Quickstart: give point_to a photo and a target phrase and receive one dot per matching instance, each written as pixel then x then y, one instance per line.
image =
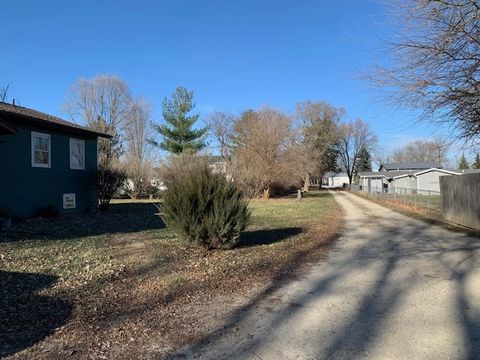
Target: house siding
pixel 337 180
pixel 405 184
pixel 25 189
pixel 430 181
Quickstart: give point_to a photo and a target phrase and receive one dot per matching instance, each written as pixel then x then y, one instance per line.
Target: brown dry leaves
pixel 162 294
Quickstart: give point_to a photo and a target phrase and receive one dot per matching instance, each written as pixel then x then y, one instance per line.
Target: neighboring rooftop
pixel 386 174
pixel 396 173
pixel 12 113
pixel 337 174
pixel 466 171
pixel 409 166
pixel 373 173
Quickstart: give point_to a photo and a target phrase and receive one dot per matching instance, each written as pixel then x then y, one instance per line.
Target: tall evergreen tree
pixel 177 130
pixel 364 162
pixel 463 163
pixel 476 164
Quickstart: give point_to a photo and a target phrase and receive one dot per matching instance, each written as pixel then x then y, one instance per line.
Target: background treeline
pixel 265 150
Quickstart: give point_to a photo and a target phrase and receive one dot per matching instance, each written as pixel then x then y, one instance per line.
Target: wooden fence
pixel 461 199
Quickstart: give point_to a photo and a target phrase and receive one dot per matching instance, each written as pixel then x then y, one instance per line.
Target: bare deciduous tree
pixel 221 125
pixel 422 151
pixel 317 135
pixel 352 138
pixel 436 61
pixel 138 162
pixel 262 140
pixel 103 103
pixel 4 93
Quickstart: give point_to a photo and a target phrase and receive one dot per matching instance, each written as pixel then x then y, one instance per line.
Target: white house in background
pixel 411 178
pixel 159 184
pixel 333 179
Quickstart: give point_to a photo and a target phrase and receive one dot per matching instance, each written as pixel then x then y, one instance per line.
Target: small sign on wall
pixel 69 201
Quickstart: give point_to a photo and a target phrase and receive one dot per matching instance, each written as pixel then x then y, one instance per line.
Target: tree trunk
pixel 306 182
pixel 266 193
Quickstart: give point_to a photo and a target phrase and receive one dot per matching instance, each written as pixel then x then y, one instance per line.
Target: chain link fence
pixel 425 199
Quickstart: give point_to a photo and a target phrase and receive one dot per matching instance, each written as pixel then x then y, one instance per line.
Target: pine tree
pixel 364 161
pixel 476 164
pixel 177 130
pixel 463 163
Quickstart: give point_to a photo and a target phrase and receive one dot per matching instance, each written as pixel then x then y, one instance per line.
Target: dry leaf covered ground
pixel 121 285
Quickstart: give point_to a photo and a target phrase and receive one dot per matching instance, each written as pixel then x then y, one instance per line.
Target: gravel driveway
pixel 394 288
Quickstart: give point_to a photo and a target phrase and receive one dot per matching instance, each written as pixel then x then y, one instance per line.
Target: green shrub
pixel 205 208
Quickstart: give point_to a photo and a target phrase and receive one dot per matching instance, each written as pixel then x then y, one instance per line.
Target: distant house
pixel 217 164
pixel 45 161
pixel 407 178
pixel 333 179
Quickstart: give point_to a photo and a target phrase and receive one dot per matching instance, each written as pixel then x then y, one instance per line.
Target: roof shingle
pixel 10 112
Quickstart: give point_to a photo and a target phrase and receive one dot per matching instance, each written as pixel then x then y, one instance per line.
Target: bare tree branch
pixel 102 103
pixel 4 93
pixel 436 62
pixel 354 137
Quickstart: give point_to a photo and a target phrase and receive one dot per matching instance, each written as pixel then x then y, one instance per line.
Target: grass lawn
pixel 121 285
pixel 429 202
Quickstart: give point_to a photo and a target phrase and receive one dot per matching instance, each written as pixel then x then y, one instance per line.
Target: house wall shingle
pixel 25 189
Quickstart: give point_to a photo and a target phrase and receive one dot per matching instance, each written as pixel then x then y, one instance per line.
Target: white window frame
pixel 73 141
pixel 49 146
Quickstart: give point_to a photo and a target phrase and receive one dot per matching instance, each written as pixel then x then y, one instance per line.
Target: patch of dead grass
pixel 152 293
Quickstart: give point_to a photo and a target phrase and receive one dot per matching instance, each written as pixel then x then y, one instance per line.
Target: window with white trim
pixel 77 154
pixel 41 150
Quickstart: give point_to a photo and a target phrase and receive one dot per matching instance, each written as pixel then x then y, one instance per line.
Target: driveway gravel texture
pixel 393 288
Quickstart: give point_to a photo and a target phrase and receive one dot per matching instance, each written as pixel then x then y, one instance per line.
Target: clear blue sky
pixel 234 54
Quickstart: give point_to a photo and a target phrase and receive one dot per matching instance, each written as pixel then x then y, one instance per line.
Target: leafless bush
pixel 108 179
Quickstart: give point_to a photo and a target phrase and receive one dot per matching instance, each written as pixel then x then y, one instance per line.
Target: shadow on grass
pixel 25 317
pixel 316 194
pixel 310 194
pixel 265 237
pixel 120 218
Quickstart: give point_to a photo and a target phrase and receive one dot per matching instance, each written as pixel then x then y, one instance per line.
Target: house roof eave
pixel 437 169
pixel 7 127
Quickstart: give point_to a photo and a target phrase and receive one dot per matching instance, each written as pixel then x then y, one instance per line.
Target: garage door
pixel 376 184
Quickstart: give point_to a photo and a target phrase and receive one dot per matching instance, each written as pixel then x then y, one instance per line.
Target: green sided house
pixel 45 161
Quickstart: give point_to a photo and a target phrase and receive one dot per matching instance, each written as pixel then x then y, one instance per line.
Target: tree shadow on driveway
pixel 396 258
pixel 25 316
